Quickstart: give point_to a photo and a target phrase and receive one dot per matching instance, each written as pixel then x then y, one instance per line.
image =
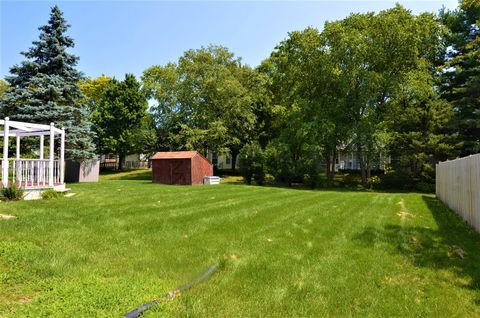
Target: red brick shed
pixel 180 167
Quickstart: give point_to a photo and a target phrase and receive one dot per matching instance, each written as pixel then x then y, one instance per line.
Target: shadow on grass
pixel 337 187
pixel 438 249
pixel 134 174
pixel 299 186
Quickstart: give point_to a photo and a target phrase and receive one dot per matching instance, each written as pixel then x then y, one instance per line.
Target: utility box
pixel 211 180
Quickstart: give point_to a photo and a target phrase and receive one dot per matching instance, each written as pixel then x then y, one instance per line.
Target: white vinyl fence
pixel 458 186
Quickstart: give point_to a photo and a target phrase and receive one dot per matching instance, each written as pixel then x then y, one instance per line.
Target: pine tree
pixel 44 88
pixel 417 120
pixel 461 79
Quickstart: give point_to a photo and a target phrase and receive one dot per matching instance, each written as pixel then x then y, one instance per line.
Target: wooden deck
pixel 39 185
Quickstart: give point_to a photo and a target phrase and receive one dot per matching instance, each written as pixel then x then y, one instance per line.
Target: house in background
pixel 346 160
pixel 132 161
pixel 349 160
pixel 221 161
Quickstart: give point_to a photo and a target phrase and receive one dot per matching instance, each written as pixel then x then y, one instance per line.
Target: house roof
pixel 175 155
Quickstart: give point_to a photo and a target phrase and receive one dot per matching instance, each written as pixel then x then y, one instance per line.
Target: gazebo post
pixel 6 131
pixel 62 156
pixel 51 154
pixel 41 146
pixel 42 163
pixel 18 148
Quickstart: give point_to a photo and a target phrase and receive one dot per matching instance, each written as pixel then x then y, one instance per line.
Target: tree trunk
pixel 370 165
pixel 334 160
pixel 121 161
pixel 329 171
pixel 327 165
pixel 234 159
pixel 362 165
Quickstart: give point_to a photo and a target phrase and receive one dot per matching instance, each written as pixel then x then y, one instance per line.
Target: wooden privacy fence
pixel 458 186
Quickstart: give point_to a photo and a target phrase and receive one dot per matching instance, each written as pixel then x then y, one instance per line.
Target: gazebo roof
pixel 28 129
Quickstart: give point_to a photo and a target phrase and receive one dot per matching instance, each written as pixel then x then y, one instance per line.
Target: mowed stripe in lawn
pixel 307 247
pixel 286 252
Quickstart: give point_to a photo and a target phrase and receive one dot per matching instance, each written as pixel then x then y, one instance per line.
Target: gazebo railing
pixel 30 173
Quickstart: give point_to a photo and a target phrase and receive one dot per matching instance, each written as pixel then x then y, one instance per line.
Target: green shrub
pixel 397 181
pixel 425 187
pixel 348 179
pixel 12 192
pixel 51 194
pixel 252 163
pixel 374 182
pixel 282 166
pixel 313 180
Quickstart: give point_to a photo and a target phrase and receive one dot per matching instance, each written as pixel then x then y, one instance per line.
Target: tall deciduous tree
pixel 93 90
pixel 374 53
pixel 333 89
pixel 311 119
pixel 160 85
pixel 44 88
pixel 207 100
pixel 122 124
pixel 3 87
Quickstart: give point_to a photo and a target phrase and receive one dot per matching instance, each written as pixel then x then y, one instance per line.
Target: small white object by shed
pixel 211 180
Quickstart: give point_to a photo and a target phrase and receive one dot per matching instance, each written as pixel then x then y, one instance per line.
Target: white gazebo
pixel 33 174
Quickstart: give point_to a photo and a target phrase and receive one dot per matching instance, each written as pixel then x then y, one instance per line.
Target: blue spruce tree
pixel 44 88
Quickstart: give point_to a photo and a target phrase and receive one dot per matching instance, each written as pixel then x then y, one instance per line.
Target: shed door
pixel 179 172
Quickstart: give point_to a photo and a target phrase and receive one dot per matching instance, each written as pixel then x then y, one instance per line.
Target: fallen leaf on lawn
pixel 269 240
pixel 7 216
pixel 459 251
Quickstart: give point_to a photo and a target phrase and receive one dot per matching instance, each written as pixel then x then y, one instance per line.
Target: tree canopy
pixel 401 91
pixel 121 121
pixel 334 89
pixel 206 101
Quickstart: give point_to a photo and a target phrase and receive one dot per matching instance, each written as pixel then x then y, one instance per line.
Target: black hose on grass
pixel 171 294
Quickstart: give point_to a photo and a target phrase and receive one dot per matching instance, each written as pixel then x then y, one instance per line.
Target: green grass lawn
pixel 286 252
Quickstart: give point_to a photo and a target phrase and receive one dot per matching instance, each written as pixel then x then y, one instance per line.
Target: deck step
pixel 62 190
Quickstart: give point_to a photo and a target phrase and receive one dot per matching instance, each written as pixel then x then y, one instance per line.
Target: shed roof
pixel 175 155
